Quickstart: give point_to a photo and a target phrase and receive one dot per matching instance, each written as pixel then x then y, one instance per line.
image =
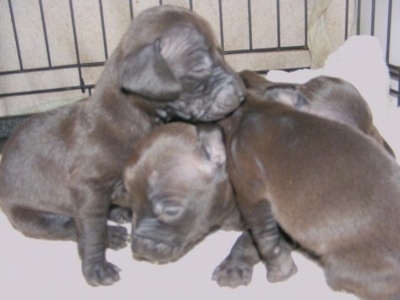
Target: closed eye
pixel 199 73
pixel 168 211
pixel 194 84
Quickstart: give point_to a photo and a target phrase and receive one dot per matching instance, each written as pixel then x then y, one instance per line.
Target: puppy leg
pixel 366 272
pixel 237 268
pixel 273 249
pixel 94 200
pixel 43 225
pixel 50 226
pixel 92 244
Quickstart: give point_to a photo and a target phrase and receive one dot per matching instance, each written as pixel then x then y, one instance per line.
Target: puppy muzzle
pixel 153 251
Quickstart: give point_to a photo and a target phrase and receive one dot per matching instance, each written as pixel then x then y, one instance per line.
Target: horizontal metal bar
pixel 52 68
pixel 394 67
pixel 63 89
pixel 101 63
pixel 265 50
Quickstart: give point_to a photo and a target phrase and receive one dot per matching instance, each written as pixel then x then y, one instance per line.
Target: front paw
pixel 120 215
pixel 101 273
pixel 233 273
pixel 117 237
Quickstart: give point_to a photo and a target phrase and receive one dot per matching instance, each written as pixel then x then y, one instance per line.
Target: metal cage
pixel 256 42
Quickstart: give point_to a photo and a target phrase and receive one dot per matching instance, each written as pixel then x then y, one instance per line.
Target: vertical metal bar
pixel 389 31
pixel 221 25
pixel 306 23
pixel 373 17
pixel 191 5
pixel 131 9
pixel 103 28
pixel 21 66
pixel 359 17
pixel 161 3
pixel 398 88
pixel 388 43
pixel 278 21
pixel 346 20
pixel 78 61
pixel 250 25
pixel 46 41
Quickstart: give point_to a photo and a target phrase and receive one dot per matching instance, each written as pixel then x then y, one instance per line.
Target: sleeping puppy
pixel 333 189
pixel 177 187
pixel 326 97
pixel 313 178
pixel 59 169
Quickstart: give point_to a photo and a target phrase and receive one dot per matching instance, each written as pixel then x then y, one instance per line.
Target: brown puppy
pixel 177 186
pixel 331 188
pixel 326 97
pixel 59 169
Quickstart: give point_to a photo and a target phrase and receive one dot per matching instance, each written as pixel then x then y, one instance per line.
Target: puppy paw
pixel 117 237
pixel 120 215
pixel 233 273
pixel 281 268
pixel 101 273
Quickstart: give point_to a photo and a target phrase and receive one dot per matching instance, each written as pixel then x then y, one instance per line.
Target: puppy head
pixel 326 97
pixel 175 62
pixel 338 100
pixel 175 182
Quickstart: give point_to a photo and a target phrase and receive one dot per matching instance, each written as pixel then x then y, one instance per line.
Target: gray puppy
pixel 330 186
pixel 59 169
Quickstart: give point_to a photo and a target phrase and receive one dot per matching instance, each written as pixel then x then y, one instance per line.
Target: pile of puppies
pixel 291 166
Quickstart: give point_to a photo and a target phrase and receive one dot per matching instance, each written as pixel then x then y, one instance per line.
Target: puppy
pixel 332 188
pixel 177 187
pixel 326 97
pixel 59 169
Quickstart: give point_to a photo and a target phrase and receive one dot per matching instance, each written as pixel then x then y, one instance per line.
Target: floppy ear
pixel 286 94
pixel 212 143
pixel 144 72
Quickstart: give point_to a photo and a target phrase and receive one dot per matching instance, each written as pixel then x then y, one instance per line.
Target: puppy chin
pixel 145 249
pixel 226 101
pixel 217 112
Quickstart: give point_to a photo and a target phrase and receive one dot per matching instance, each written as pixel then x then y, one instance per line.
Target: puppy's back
pixel 333 189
